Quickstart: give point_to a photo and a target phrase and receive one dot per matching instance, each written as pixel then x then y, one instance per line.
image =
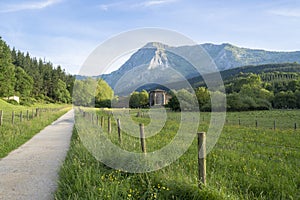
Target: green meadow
pixel 247 162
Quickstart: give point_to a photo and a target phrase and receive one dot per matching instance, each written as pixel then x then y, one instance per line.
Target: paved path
pixel 30 172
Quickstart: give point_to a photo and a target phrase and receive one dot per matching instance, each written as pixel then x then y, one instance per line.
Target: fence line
pixel 262 143
pixel 202 146
pixel 11 118
pixel 227 138
pixel 271 124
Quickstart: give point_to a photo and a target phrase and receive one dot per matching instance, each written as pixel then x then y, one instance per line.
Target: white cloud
pixel 135 4
pixel 106 7
pixel 28 6
pixel 286 12
pixel 157 2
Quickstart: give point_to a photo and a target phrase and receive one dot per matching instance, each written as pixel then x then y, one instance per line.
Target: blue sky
pixel 67 31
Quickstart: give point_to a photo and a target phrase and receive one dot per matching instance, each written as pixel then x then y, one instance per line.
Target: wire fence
pixel 287 119
pixel 282 152
pixel 21 116
pixel 266 123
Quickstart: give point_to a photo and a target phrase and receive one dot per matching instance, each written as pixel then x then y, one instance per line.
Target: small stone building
pixel 158 98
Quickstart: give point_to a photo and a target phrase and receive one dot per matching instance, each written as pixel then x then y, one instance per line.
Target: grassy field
pixel 246 163
pixel 14 134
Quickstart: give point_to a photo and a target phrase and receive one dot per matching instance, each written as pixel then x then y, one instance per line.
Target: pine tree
pixel 7 73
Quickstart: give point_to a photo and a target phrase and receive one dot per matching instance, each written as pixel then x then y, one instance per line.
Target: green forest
pixel 32 79
pixel 247 91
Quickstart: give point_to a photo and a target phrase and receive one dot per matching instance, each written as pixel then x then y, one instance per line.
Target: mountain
pixel 227 56
pixel 162 64
pixel 154 63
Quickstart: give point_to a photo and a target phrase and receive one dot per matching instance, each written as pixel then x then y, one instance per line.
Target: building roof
pixel 157 90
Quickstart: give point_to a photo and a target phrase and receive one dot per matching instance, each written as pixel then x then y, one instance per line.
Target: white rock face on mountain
pixel 159 60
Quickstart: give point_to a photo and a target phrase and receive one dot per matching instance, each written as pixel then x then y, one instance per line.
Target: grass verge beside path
pixel 14 135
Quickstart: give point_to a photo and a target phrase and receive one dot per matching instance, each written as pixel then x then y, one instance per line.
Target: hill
pixel 258 69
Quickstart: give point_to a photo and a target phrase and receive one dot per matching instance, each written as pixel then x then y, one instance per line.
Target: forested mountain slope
pixel 32 79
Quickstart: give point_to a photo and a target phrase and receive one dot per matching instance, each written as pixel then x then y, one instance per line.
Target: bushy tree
pixel 61 94
pixel 297 96
pixel 134 101
pixel 173 103
pixel 104 94
pixel 294 85
pixel 187 100
pixel 236 85
pixel 285 100
pixel 144 98
pixel 84 92
pixel 203 96
pixel 183 100
pixel 139 99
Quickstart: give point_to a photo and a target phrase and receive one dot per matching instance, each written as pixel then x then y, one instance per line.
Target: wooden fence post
pixel 109 125
pixel 256 124
pixel 274 125
pixel 1 117
pixel 13 117
pixel 201 159
pixel 97 118
pixel 119 130
pixel 142 137
pixel 239 121
pixel 21 116
pixel 36 112
pixel 27 115
pixel 102 121
pixel 295 126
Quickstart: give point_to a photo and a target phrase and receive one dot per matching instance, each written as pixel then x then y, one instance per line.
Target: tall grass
pixel 246 163
pixel 14 135
pixel 83 177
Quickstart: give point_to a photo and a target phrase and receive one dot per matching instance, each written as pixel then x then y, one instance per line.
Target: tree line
pixel 32 79
pixel 267 71
pixel 92 92
pixel 245 92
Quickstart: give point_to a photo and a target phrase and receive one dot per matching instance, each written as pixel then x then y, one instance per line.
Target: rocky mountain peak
pixel 160 58
pixel 155 45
